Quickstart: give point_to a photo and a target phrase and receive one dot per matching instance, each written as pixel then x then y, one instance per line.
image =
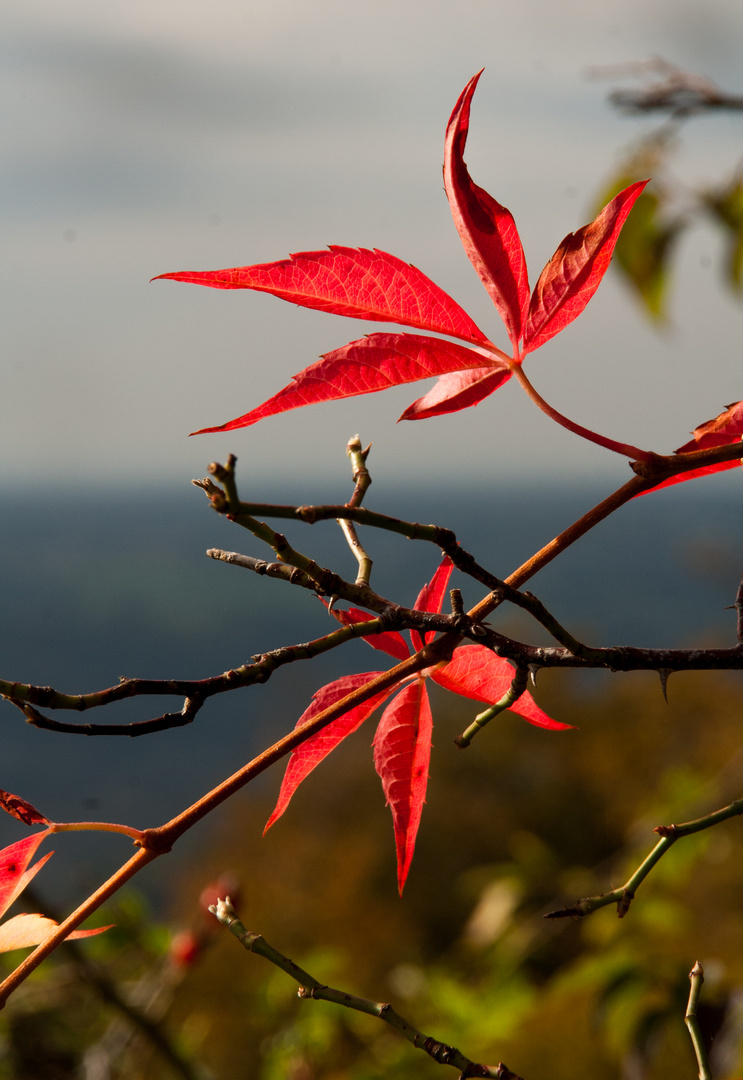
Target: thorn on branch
pixel 564 913
pixel 664 674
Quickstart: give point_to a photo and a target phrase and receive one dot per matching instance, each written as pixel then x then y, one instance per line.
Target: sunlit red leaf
pixel 24 930
pixel 402 751
pixel 487 230
pixel 310 753
pixel 476 672
pixel 457 390
pixel 389 641
pixel 21 809
pixel 574 272
pixel 373 363
pixel 354 282
pixel 431 597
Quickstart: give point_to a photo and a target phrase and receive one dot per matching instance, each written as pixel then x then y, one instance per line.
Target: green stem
pixel 669 834
pixel 696 976
pixel 514 692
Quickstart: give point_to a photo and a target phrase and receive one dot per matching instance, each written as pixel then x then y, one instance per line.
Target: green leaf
pixel 726 208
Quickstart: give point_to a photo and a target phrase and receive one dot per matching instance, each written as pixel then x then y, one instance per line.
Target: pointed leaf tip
pixel 402 752
pixel 487 230
pixel 355 282
pixel 574 272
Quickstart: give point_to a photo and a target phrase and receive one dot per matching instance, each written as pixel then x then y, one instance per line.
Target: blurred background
pixel 146 138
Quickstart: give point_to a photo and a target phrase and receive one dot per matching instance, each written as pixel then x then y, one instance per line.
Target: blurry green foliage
pixel 726 207
pixel 644 250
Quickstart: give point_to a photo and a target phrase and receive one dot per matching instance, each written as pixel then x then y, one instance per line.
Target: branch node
pixel 623 904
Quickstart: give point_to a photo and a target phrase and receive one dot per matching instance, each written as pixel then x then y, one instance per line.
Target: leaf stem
pixel 634 453
pixel 96 826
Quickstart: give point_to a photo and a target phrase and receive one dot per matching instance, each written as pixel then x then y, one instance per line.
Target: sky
pixel 142 138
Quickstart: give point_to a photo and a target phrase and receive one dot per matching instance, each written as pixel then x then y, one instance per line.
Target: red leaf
pixel 475 672
pixel 389 641
pixel 22 810
pixel 402 751
pixel 310 753
pixel 431 597
pixel 372 363
pixel 354 282
pixel 457 390
pixel 487 230
pixel 727 427
pixel 14 872
pixel 574 272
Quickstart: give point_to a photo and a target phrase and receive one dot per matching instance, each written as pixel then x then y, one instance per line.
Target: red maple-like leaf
pixel 374 285
pixel 402 744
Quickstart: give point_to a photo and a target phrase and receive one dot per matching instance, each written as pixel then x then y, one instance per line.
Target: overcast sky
pixel 146 137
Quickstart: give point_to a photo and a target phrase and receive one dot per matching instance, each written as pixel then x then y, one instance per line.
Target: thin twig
pixel 696 977
pixel 362 480
pixel 512 695
pixel 311 988
pixel 625 894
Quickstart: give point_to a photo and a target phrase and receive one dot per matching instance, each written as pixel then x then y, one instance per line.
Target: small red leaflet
pixel 402 744
pixel 377 286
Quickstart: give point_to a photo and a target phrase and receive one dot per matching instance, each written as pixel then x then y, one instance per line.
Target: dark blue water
pixel 97 585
